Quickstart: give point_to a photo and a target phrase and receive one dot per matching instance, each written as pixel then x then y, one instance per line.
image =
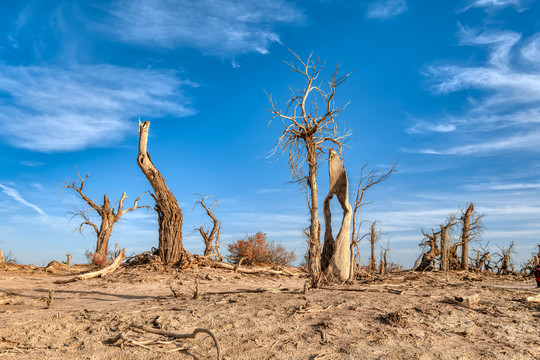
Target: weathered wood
pixel 170 217
pixel 335 259
pixel 235 268
pixel 180 336
pixel 109 269
pixel 1 258
pixel 466 219
pixel 310 131
pixel 109 217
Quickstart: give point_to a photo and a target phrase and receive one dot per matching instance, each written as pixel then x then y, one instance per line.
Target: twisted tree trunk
pixel 335 260
pixel 170 218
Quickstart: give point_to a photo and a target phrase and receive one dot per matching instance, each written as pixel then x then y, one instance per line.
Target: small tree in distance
pixel 256 249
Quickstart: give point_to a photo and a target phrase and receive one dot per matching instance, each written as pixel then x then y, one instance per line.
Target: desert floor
pixel 399 316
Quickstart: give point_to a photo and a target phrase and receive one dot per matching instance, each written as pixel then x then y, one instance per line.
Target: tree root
pixel 176 336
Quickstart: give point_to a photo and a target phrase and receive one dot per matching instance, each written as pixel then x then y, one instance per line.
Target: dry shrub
pixel 256 249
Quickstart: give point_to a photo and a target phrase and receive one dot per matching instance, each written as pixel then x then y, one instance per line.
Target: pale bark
pixel 335 260
pixel 170 217
pixel 314 245
pixel 1 258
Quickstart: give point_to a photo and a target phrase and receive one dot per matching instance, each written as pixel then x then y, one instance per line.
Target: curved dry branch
pixel 180 336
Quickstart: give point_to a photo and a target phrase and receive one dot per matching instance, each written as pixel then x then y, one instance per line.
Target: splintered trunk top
pixel 169 213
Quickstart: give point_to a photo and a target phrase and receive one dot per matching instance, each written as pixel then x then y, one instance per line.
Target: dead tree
pixel 170 217
pixel 373 239
pixel 454 260
pixel 210 236
pixel 356 258
pixel 109 216
pixel 1 258
pixel 481 261
pixel 374 177
pixel 505 263
pixel 430 255
pixel 444 232
pixel 472 228
pixel 336 257
pixel 383 263
pixel 311 129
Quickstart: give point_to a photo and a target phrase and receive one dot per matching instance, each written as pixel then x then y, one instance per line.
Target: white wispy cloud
pixel 14 194
pixel 508 97
pixel 527 142
pixel 383 9
pixel 503 186
pixel 217 27
pixel 52 109
pixel 531 51
pixel 493 4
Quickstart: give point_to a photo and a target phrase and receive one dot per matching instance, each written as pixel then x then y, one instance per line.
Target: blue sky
pixel 449 88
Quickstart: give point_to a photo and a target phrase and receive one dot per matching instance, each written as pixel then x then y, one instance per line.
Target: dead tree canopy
pixel 310 130
pixel 335 260
pixel 211 235
pixel 170 217
pixel 109 216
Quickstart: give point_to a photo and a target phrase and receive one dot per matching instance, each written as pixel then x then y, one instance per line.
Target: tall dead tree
pixel 170 217
pixel 210 235
pixel 311 129
pixel 373 239
pixel 472 227
pixel 109 216
pixel 335 258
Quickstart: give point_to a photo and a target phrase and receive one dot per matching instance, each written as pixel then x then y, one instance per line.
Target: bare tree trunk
pixel 68 261
pixel 1 258
pixel 105 232
pixel 444 248
pixel 466 218
pixel 335 260
pixel 314 261
pixel 169 214
pixel 373 239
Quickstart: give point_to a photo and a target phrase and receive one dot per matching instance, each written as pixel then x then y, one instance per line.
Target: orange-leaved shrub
pixel 256 249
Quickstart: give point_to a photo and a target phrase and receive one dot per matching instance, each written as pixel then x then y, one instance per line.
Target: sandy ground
pixel 400 316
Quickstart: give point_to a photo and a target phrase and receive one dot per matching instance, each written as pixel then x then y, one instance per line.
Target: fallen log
pixel 238 269
pixel 109 269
